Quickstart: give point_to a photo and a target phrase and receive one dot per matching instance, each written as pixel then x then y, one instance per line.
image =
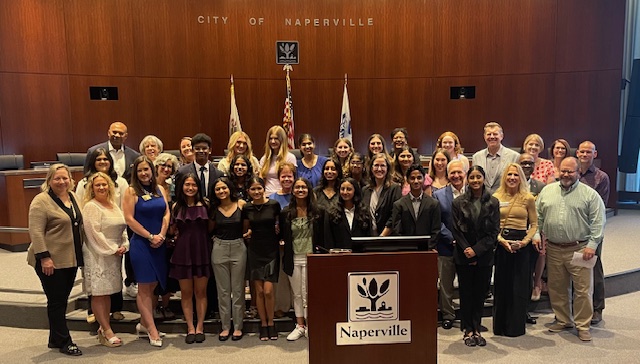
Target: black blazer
pixel 286 234
pixel 337 233
pixel 214 174
pixel 130 156
pixel 481 234
pixel 383 211
pixel 427 223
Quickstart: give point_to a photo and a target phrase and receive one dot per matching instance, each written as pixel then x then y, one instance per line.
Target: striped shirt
pixel 576 214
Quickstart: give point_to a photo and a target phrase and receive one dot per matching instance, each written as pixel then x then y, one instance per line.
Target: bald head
pixel 586 153
pixel 527 162
pixel 117 134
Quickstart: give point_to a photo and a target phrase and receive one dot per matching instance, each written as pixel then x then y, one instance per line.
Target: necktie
pixel 203 183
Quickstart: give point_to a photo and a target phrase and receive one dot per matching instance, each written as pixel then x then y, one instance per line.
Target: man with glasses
pixel 597 179
pixel 527 162
pixel 571 215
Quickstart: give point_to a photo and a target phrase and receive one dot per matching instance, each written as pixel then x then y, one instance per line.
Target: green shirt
pixel 302 232
pixel 576 214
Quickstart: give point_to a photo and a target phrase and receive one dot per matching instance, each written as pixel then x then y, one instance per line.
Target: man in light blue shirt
pixel 495 157
pixel 572 216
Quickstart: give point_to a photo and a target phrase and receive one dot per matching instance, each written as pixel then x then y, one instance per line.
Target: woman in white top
pixel 106 242
pixel 239 143
pixel 276 151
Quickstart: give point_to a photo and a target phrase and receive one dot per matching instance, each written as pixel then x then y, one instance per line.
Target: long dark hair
pixel 323 181
pixel 241 191
pixel 135 182
pixel 181 203
pixel 312 209
pixel 92 165
pixel 361 214
pixel 215 201
pixel 467 200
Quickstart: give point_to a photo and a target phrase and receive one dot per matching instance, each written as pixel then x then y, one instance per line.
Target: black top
pixel 481 233
pixel 228 228
pixel 264 243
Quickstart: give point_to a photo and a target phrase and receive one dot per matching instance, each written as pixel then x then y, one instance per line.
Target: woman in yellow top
pixel 512 277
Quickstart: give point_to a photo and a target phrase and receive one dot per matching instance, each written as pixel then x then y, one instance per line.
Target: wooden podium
pixel 331 282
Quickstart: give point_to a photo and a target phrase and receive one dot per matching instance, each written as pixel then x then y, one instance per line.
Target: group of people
pixel 186 224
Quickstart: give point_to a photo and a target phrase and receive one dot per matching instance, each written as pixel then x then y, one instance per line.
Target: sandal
pixel 71 349
pixel 470 340
pixel 273 334
pixel 480 341
pixel 113 342
pixel 264 333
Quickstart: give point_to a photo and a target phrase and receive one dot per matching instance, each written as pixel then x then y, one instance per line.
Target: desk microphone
pixel 321 249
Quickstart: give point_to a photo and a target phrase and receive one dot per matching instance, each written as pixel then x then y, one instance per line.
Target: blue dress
pixel 149 264
pixel 313 174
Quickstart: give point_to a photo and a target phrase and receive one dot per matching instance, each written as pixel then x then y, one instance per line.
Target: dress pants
pixel 229 259
pixel 560 274
pixel 598 282
pixel 57 287
pixel 474 282
pixel 447 273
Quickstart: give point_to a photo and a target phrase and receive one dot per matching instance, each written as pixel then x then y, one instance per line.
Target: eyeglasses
pixel 379 166
pixel 169 166
pixel 355 163
pixel 564 171
pixel 529 164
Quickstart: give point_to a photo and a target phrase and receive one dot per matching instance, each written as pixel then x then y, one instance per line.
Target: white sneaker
pixel 297 333
pixel 132 290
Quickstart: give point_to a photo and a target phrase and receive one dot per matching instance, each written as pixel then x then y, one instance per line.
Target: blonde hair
pixel 268 153
pixel 492 124
pixel 46 185
pixel 457 148
pixel 231 146
pixel 90 195
pixel 534 137
pixel 522 187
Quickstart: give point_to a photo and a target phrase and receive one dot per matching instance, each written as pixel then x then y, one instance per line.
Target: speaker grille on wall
pixel 628 160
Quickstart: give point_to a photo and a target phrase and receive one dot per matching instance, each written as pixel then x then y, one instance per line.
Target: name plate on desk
pixel 373 311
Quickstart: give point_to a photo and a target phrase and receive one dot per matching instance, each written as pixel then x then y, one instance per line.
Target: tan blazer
pixel 50 230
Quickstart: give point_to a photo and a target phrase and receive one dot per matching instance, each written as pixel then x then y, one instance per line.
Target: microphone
pixel 321 249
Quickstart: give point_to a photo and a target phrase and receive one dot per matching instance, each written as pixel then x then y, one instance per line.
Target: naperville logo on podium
pixel 373 311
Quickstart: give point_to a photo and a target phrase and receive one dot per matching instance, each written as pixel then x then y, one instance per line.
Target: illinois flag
pixel 234 118
pixel 287 120
pixel 345 117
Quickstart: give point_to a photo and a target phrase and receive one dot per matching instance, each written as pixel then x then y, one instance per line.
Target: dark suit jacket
pixel 214 174
pixel 130 155
pixel 338 235
pixel 444 196
pixel 427 222
pixel 383 211
pixel 286 234
pixel 535 187
pixel 481 234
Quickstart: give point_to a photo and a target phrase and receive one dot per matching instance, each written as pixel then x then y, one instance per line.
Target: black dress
pixel 263 256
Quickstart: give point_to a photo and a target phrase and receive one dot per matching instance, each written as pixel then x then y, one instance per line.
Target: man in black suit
pixel 122 155
pixel 416 213
pixel 207 174
pixel 206 171
pixel 527 163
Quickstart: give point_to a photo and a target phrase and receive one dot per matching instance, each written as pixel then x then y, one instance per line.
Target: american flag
pixel 287 120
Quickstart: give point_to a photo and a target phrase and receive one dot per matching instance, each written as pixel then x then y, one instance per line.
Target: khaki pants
pixel 561 273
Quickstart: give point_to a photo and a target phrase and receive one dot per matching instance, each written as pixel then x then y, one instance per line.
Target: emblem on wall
pixel 287 52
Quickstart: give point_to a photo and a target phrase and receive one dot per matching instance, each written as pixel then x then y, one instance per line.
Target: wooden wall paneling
pixel 590 34
pixel 91 118
pixel 524 104
pixel 525 36
pixel 35 115
pixel 463 37
pixel 100 37
pixel 32 37
pixel 404 45
pixel 588 108
pixel 466 118
pixel 166 108
pixel 214 107
pixel 162 39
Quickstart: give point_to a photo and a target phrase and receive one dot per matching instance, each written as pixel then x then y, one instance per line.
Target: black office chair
pixel 11 162
pixel 71 159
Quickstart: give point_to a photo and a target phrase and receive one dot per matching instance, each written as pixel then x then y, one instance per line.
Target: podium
pixel 373 307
